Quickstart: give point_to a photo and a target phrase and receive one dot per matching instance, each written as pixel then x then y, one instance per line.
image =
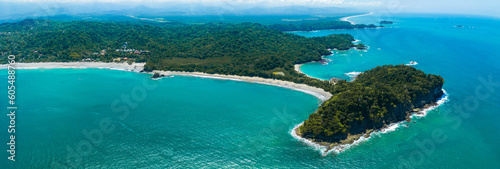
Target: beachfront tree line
pixel 248 49
pixel 311 26
pixel 45 40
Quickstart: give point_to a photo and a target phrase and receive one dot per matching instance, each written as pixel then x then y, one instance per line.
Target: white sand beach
pixel 297 68
pixel 319 93
pixel 349 17
pixel 137 67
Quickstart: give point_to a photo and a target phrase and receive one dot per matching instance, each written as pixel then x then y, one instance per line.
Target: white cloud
pixel 279 2
pixel 375 3
pixel 312 3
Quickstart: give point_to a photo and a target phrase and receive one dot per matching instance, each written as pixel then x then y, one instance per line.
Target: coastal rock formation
pixel 386 22
pixel 378 97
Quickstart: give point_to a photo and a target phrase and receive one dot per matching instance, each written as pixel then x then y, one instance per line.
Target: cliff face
pixel 378 97
pixel 402 111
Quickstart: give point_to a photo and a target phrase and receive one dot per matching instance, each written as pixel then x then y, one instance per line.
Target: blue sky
pixel 476 7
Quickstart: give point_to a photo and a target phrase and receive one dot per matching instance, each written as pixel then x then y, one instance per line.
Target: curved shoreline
pixel 138 67
pixel 349 17
pixel 317 92
pixel 297 69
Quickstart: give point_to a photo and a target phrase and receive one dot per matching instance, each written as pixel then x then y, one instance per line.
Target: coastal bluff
pixel 377 98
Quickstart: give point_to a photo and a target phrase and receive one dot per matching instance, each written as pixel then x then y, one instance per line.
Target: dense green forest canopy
pixel 248 49
pixel 377 97
pixel 319 26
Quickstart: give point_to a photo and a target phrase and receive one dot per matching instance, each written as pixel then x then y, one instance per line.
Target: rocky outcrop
pixel 377 98
pixel 403 112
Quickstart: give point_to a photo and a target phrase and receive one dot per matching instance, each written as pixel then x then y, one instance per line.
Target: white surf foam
pixel 352 74
pixel 412 63
pixel 391 127
pixel 306 141
pixel 425 111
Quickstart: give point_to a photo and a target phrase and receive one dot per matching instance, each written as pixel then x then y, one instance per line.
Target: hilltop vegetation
pixel 377 97
pixel 247 49
pixel 319 26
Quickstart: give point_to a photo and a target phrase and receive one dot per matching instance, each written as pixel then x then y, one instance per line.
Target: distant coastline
pixel 349 17
pixel 138 67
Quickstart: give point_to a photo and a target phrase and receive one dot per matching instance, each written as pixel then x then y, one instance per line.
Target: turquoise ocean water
pixel 93 118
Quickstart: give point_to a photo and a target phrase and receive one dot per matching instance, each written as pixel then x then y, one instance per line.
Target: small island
pixel 377 98
pixel 386 22
pixel 360 46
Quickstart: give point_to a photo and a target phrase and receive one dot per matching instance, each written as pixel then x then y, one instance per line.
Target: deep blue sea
pixel 94 118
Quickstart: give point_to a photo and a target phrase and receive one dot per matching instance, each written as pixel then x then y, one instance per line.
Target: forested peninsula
pixel 320 26
pixel 376 98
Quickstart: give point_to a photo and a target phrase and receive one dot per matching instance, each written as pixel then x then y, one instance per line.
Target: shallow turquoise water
pixel 465 57
pixel 183 121
pixel 190 122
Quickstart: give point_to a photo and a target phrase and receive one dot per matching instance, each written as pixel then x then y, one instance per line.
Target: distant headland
pixel 386 22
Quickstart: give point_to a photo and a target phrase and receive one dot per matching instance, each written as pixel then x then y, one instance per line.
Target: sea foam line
pixel 316 146
pixel 353 74
pixel 390 128
pixel 425 111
